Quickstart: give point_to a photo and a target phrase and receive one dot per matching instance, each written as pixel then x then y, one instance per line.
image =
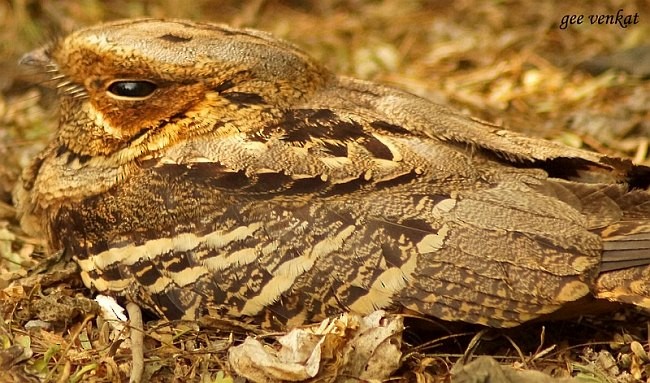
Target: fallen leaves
pixel 347 347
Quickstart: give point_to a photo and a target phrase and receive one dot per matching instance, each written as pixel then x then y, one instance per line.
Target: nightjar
pixel 203 171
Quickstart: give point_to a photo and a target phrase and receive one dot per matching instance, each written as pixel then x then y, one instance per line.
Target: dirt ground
pixel 509 62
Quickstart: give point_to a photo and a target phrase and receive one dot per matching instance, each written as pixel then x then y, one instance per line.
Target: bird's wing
pixel 396 108
pixel 353 214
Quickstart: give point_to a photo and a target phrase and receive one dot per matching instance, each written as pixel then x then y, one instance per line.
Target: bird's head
pixel 133 87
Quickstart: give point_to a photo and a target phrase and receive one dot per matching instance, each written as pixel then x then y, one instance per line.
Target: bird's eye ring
pixel 131 89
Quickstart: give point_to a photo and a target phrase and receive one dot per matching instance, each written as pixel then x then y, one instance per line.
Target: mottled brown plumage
pixel 200 170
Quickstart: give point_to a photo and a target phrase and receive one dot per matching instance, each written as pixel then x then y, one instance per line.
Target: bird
pixel 204 171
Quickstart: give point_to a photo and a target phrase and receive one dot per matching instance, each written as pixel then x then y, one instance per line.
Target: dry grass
pixel 504 61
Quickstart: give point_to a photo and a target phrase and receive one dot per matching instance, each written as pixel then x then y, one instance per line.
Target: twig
pixel 467 355
pixel 67 347
pixel 137 342
pixel 65 374
pixel 518 350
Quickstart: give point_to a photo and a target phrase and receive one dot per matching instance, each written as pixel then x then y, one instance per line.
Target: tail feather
pixel 625 268
pixel 630 285
pixel 625 264
pixel 625 251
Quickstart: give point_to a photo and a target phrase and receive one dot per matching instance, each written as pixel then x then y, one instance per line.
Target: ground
pixel 517 63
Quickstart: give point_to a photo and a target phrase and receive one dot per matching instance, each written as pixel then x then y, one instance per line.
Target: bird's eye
pixel 132 88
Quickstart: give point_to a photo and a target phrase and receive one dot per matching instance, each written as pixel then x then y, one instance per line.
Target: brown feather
pixel 253 185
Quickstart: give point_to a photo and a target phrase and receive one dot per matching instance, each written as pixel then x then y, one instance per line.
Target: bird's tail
pixel 625 269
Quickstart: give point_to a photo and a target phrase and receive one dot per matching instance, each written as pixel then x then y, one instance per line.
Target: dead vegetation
pixel 503 61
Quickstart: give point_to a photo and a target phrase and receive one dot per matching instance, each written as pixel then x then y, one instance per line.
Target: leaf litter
pixel 503 61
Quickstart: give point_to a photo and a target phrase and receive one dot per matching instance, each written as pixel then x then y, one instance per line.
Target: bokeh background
pixel 505 61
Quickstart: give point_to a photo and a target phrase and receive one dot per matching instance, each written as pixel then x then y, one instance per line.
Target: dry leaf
pixel 365 348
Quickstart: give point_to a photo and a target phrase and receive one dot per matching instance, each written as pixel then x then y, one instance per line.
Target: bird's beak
pixel 36 58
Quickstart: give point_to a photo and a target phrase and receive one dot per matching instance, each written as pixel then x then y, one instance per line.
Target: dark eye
pixel 132 88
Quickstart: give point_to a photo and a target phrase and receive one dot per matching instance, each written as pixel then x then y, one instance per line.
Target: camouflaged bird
pixel 204 171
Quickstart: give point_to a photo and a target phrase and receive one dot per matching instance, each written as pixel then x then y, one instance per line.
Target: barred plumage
pixel 215 172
